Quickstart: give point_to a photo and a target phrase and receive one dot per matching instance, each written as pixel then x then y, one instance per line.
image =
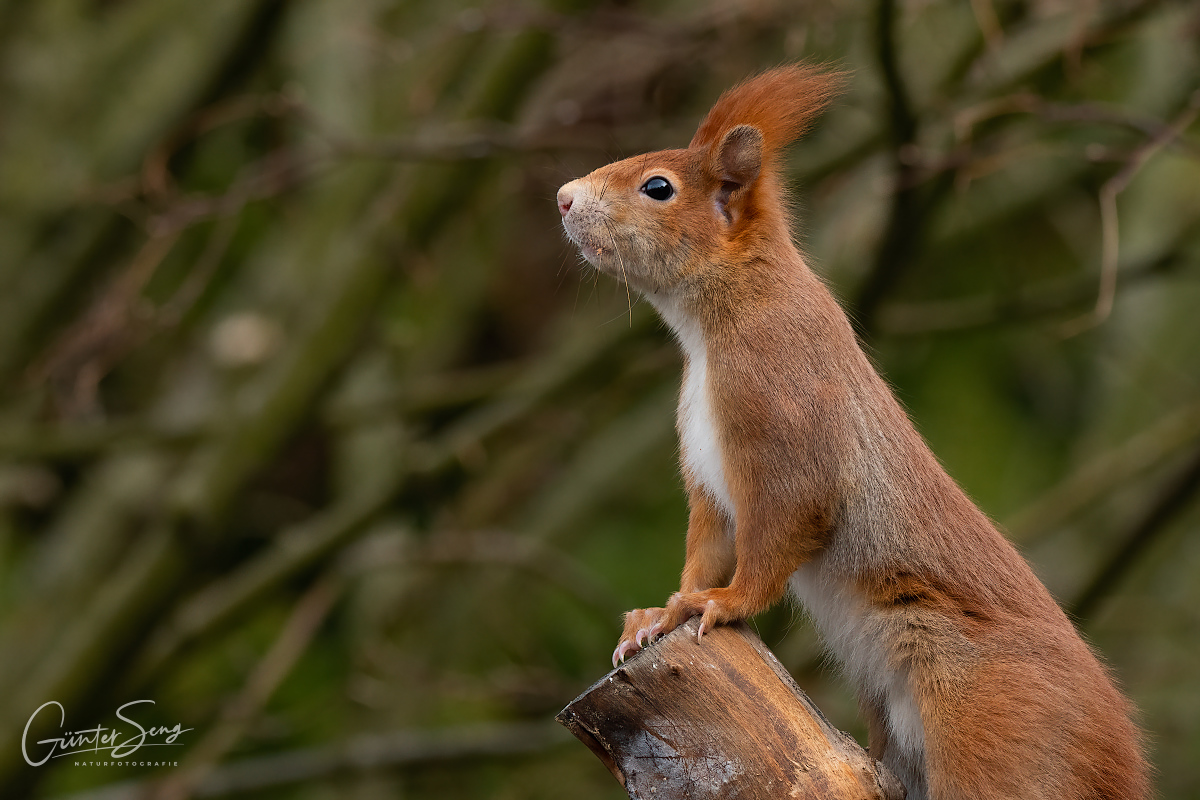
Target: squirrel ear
pixel 739 155
pixel 738 162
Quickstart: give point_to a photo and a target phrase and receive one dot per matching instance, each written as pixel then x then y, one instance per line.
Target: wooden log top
pixel 719 718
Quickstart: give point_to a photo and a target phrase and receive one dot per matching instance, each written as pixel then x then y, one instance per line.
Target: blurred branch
pixel 86 351
pixel 474 140
pixel 902 120
pixel 194 513
pixel 171 313
pixel 463 142
pixel 968 119
pixel 898 239
pixel 610 455
pixel 481 135
pixel 1043 40
pixel 299 548
pixel 910 201
pixel 63 573
pixel 277 172
pixel 121 318
pixel 606 457
pixel 503 548
pixel 989 23
pixel 72 246
pixel 1105 473
pixel 151 200
pixel 1146 530
pixel 1044 299
pixel 197 502
pixel 431 393
pixel 910 205
pixel 358 756
pixel 971 161
pixel 288 168
pixel 293 639
pixel 110 620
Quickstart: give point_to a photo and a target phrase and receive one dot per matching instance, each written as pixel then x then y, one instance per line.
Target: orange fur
pixel 803 471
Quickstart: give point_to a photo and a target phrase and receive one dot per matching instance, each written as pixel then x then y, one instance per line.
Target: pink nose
pixel 565 201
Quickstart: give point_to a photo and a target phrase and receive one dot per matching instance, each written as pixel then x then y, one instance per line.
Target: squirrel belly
pixel 844 620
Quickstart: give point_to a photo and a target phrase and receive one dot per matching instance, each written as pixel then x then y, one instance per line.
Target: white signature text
pixel 122 741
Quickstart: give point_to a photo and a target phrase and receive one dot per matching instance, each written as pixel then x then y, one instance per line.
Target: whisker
pixel 624 275
pixel 578 289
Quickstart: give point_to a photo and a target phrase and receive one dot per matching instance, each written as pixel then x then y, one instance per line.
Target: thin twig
pixel 77 361
pixel 968 119
pixel 1042 300
pixel 1109 228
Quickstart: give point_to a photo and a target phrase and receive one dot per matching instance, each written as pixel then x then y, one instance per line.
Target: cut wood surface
pixel 719 718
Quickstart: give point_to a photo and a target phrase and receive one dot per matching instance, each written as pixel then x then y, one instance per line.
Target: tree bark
pixel 721 719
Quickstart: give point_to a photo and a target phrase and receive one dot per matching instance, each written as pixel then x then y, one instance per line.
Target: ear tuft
pixel 743 136
pixel 779 104
pixel 739 155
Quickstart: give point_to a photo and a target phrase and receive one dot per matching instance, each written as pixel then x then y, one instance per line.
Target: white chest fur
pixel 698 436
pixel 699 440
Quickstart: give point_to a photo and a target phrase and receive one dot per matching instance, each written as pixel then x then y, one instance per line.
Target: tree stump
pixel 719 718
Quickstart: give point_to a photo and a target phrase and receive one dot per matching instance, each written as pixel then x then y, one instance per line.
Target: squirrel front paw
pixel 714 607
pixel 642 626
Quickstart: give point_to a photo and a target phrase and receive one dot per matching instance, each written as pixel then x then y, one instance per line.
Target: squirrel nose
pixel 566 199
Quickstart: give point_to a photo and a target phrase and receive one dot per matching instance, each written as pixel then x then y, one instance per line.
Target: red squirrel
pixel 803 472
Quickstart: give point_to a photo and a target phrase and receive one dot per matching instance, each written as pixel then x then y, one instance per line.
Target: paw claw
pixel 642 627
pixel 623 649
pixel 710 609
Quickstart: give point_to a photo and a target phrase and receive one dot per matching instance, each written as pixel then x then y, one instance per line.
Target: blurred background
pixel 316 432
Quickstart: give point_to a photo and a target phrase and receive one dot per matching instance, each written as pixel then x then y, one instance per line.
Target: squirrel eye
pixel 658 188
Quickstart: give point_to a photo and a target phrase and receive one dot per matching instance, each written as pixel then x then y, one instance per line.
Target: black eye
pixel 658 189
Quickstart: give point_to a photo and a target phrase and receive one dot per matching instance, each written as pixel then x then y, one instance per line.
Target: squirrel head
pixel 661 220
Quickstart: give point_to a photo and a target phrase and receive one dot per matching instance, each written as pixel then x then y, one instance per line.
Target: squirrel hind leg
pixel 883 746
pixel 874 715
